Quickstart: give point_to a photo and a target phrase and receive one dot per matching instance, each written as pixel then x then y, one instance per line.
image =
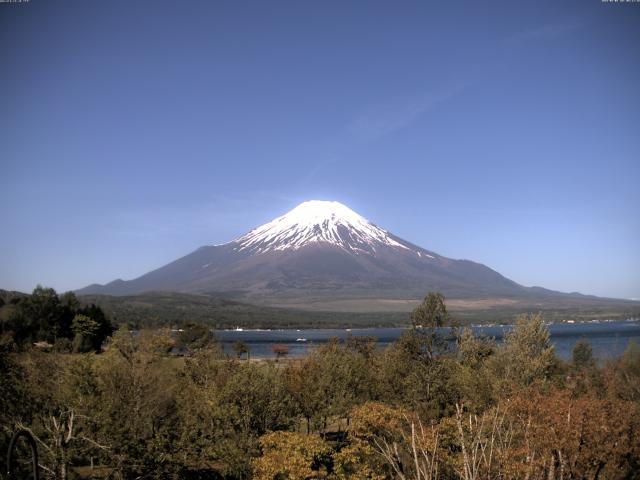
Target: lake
pixel 608 339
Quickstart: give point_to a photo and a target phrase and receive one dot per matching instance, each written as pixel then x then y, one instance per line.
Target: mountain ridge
pixel 323 251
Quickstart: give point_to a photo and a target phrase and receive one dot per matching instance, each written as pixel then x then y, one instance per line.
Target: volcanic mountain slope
pixel 322 251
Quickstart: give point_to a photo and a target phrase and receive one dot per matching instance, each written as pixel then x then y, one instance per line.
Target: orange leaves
pixel 557 435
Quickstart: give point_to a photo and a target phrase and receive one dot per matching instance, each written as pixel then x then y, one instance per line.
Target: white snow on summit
pixel 318 221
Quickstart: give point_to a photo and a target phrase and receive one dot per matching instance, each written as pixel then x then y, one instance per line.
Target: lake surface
pixel 608 339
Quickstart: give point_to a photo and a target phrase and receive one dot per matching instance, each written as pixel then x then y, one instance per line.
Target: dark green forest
pixel 58 322
pixel 422 408
pixel 157 309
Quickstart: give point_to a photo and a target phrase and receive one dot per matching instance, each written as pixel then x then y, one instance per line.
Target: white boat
pixel 301 339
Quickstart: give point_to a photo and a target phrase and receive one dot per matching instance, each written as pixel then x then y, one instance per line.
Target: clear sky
pixel 133 132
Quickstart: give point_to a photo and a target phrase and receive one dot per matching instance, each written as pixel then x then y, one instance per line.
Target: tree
pixel 472 376
pixel 207 438
pixel 291 456
pixel 60 437
pixel 364 346
pixel 70 301
pixel 388 442
pixel 86 331
pixel 555 435
pixel 527 355
pixel 624 374
pixel 105 328
pixel 12 396
pixel 69 305
pixel 43 316
pixel 255 399
pixel 328 383
pixel 194 337
pixel 472 350
pixel 431 313
pixel 136 408
pixel 43 308
pixel 39 317
pixel 582 355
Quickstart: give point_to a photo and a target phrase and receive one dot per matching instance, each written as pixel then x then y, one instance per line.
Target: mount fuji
pixel 324 254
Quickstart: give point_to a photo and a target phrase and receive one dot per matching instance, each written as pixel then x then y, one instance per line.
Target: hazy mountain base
pixel 166 309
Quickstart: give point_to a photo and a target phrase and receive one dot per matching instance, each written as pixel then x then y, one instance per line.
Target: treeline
pixel 164 309
pixel 51 321
pixel 417 409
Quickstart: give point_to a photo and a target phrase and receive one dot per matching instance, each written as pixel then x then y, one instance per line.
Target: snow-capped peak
pixel 318 221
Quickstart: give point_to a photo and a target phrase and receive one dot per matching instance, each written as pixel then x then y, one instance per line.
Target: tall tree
pixel 431 313
pixel 86 331
pixel 582 355
pixel 527 355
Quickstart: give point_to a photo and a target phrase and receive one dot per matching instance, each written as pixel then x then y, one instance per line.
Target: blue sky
pixel 508 133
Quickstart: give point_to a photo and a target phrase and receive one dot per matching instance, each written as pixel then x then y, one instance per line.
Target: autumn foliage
pixel 420 409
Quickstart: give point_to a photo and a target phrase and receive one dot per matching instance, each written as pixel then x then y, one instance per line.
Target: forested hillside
pixel 157 309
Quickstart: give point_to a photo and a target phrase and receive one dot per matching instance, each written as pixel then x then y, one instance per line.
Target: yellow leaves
pixel 357 461
pixel 291 456
pixel 393 441
pixel 288 455
pixel 374 418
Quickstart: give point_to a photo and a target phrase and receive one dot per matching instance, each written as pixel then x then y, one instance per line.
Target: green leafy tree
pixel 365 346
pixel 38 317
pixel 136 408
pixel 474 350
pixel 527 355
pixel 472 377
pixel 342 378
pixel 86 331
pixel 194 337
pixel 256 397
pixel 105 327
pixel 12 395
pixel 43 316
pixel 69 306
pixel 209 438
pixel 431 313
